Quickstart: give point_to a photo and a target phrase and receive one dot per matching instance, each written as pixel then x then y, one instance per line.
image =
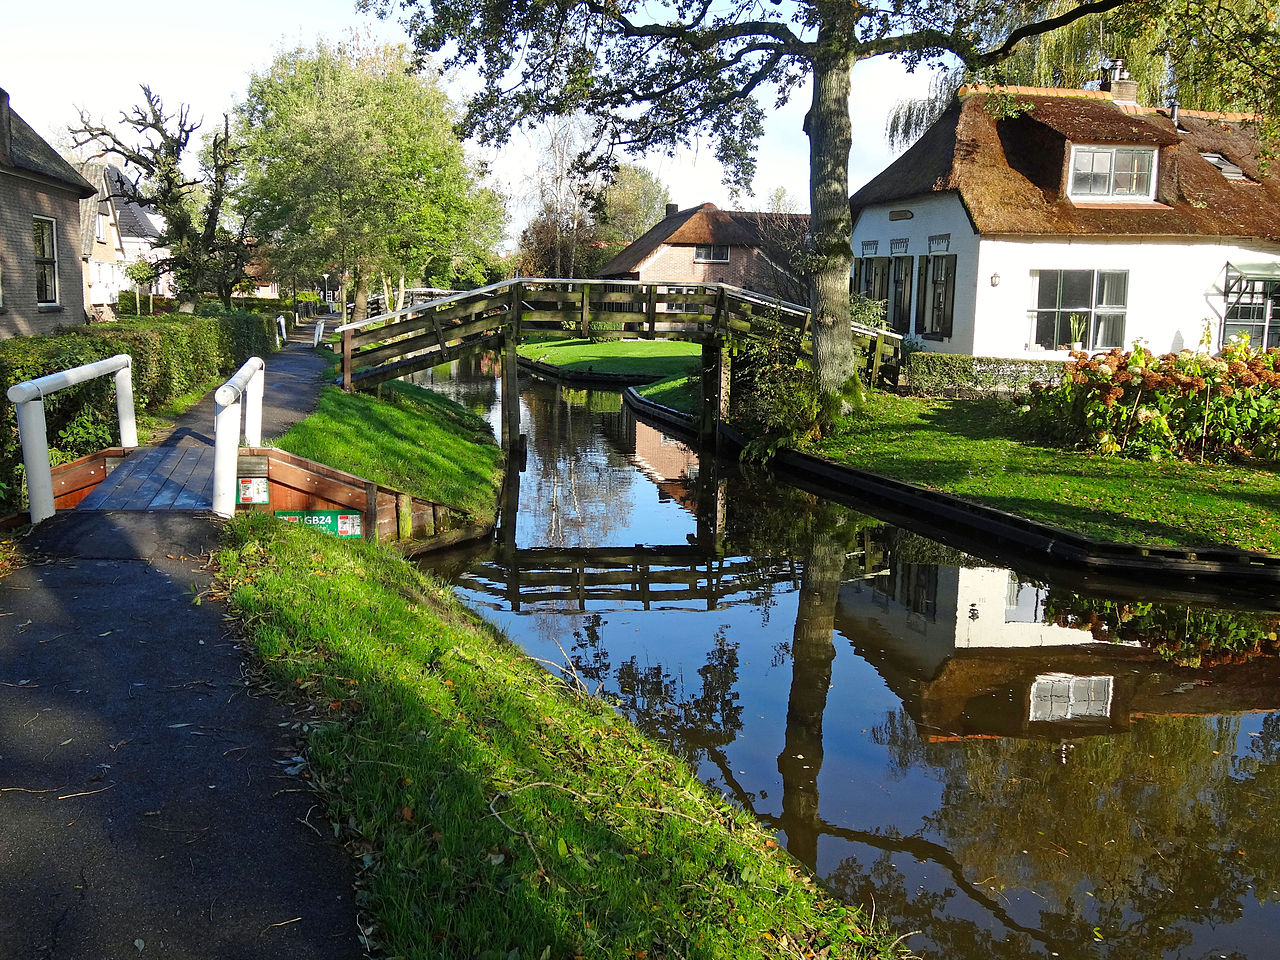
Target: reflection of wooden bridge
pixel 566 580
pixel 497 316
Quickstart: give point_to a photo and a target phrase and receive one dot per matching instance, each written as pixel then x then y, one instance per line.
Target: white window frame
pixel 710 255
pixel 1055 697
pixel 1090 313
pixel 36 261
pixel 1111 196
pixel 100 228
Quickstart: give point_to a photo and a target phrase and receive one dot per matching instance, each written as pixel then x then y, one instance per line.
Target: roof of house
pixel 134 219
pixel 31 153
pixel 1010 167
pixel 707 224
pixel 90 207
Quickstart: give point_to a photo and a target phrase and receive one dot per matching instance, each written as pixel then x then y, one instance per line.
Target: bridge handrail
pixel 28 396
pixel 243 390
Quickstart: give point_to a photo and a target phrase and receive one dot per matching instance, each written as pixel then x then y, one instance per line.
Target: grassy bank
pixel 656 358
pixel 680 393
pixel 412 439
pixel 977 449
pixel 499 810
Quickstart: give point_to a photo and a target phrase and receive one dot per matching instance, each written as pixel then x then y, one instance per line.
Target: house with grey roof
pixel 41 283
pixel 705 244
pixel 101 247
pixel 141 228
pixel 1027 220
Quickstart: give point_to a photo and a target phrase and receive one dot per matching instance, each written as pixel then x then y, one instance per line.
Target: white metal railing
pixel 282 334
pixel 317 333
pixel 244 390
pixel 29 396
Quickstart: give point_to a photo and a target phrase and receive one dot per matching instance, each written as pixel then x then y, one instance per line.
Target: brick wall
pixel 20 200
pixel 746 268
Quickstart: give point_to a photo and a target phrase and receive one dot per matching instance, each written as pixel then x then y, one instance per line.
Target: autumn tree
pixel 354 168
pixel 207 241
pixel 658 74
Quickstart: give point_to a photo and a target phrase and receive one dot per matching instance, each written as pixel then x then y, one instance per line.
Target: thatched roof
pixel 1011 170
pixel 707 224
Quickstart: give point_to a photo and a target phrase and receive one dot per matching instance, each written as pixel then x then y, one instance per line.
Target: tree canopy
pixel 354 168
pixel 208 246
pixel 658 74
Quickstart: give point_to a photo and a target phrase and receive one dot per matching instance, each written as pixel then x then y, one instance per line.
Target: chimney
pixel 672 208
pixel 1173 112
pixel 1123 90
pixel 6 132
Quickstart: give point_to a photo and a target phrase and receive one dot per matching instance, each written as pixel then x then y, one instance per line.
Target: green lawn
pixel 496 808
pixel 412 439
pixel 976 449
pixel 683 393
pixel 656 358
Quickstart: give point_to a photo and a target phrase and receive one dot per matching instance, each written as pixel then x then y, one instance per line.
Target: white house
pixel 1029 218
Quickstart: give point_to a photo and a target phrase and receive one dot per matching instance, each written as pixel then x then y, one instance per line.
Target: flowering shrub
pixel 1185 404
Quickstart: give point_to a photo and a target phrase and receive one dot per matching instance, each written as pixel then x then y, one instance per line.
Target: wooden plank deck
pixel 157 478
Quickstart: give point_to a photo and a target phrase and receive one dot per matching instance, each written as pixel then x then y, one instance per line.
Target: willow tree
pixel 658 74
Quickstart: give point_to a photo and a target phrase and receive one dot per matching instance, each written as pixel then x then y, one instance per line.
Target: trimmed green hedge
pixel 127 304
pixel 171 356
pixel 960 375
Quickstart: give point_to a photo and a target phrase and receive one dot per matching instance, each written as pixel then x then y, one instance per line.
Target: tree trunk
pixel 360 311
pixel 835 359
pixel 400 293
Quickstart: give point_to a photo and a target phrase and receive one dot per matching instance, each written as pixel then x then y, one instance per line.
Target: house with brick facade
pixel 704 244
pixel 41 284
pixel 1027 220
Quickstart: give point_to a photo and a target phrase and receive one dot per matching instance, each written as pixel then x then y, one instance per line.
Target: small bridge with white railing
pixel 498 316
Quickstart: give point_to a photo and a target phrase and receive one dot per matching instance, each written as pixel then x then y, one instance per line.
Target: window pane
pixel 1077 289
pixel 1113 288
pixel 44 239
pixel 1047 297
pixel 1108 331
pixel 1046 329
pixel 44 283
pixel 1133 172
pixel 1092 175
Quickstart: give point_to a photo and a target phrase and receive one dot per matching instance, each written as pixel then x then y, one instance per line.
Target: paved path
pixel 142 797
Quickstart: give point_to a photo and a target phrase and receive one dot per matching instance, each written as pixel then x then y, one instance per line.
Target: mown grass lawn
pixel 656 358
pixel 412 439
pixel 978 450
pixel 498 809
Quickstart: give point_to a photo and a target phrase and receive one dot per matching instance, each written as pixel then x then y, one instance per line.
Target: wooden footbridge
pixel 497 316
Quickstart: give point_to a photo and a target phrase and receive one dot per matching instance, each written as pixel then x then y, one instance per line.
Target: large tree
pixel 208 245
pixel 656 74
pixel 354 168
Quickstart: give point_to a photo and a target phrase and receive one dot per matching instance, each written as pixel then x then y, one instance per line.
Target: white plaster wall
pixel 985 590
pixel 1174 286
pixel 931 214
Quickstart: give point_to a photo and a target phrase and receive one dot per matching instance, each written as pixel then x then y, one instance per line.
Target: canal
pixel 1013 767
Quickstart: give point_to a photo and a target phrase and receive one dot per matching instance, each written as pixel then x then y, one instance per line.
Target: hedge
pixel 127 304
pixel 960 375
pixel 171 356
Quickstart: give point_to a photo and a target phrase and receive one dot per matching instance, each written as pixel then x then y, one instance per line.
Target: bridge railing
pixel 243 392
pixel 29 396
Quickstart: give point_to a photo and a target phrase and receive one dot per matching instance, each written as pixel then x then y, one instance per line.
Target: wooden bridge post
pixel 510 372
pixel 876 361
pixel 346 360
pixel 651 309
pixel 715 393
pixel 586 311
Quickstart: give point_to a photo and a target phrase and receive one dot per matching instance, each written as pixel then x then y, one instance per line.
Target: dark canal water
pixel 929 732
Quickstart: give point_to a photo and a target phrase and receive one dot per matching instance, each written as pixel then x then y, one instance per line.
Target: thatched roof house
pixel 1025 219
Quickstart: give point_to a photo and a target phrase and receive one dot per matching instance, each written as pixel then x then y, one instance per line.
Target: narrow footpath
pixel 151 799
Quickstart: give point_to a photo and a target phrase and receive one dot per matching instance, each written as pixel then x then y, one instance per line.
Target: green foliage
pixel 171 355
pixel 960 375
pixel 773 397
pixel 1186 404
pixel 127 305
pixel 1188 636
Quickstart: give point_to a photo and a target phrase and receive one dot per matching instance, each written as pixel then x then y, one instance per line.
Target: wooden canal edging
pixel 984 530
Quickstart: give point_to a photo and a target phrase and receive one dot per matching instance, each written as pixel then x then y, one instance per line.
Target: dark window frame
pixel 45 262
pixel 710 255
pixel 939 317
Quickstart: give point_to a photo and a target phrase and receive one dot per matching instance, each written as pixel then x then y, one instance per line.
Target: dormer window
pixel 1113 173
pixel 1229 170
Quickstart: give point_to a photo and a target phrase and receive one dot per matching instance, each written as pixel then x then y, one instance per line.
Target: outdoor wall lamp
pixel 995 279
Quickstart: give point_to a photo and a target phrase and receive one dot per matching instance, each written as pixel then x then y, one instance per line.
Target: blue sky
pixel 202 55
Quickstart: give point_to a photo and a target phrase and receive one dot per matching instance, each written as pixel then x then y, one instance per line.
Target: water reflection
pixel 926 730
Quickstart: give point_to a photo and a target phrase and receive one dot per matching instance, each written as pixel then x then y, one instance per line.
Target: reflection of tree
pixel 1141 838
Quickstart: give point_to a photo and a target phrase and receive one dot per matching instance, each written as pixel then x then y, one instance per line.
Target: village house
pixel 40 239
pixel 140 228
pixel 101 247
pixel 1026 220
pixel 704 244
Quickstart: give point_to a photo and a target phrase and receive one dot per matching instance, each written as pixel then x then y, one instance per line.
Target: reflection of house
pixel 966 652
pixel 669 463
pixel 101 248
pixel 40 243
pixel 1026 219
pixel 707 245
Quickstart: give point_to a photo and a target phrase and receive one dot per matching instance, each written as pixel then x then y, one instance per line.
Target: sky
pixel 202 55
